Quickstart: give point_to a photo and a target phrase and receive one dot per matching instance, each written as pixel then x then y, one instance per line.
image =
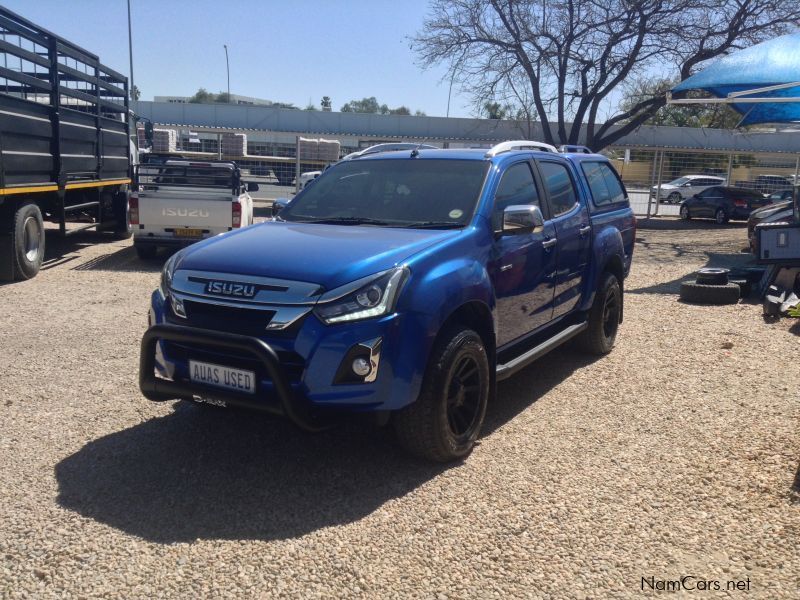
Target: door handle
pixel 547 244
pixel 585 230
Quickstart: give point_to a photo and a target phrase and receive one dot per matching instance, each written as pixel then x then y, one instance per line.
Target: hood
pixel 328 255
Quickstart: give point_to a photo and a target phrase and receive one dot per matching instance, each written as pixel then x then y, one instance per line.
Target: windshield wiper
pixel 434 225
pixel 347 221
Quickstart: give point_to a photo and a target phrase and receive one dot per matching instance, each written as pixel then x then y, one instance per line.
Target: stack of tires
pixel 713 286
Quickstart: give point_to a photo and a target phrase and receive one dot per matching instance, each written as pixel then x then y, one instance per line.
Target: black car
pixel 723 203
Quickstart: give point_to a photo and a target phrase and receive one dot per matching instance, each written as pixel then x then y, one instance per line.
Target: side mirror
pixel 687 185
pixel 523 218
pixel 278 205
pixel 252 187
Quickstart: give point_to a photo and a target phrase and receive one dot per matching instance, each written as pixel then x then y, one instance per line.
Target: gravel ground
pixel 675 455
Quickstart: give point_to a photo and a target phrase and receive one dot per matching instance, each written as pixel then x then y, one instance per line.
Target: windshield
pixel 413 192
pixel 679 181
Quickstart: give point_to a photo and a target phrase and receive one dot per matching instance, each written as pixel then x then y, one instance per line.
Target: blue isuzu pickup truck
pixel 403 284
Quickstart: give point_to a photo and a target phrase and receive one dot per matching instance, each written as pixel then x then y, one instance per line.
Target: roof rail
pixel 520 145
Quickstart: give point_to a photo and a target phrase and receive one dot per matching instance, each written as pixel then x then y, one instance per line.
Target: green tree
pixel 223 98
pixel 400 110
pixel 135 93
pixel 202 96
pixel 365 105
pixel 495 110
pixel 326 103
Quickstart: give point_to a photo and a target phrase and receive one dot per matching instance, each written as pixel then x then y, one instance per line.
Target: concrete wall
pixel 441 128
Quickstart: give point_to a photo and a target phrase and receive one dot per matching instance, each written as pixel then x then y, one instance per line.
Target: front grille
pixel 232 319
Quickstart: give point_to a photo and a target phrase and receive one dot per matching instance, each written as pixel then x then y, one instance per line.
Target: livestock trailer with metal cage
pixel 65 141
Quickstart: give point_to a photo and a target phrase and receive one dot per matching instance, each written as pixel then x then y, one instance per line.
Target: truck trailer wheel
pixel 444 422
pixel 27 240
pixel 604 317
pixel 122 227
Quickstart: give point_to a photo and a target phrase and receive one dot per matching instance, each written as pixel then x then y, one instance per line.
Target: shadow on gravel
pixel 123 260
pixel 734 261
pixel 677 224
pixel 522 390
pixel 60 250
pixel 206 473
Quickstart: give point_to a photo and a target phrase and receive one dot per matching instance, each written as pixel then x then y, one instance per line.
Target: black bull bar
pixel 160 390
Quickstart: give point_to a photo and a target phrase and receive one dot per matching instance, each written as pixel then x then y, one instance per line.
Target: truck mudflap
pixel 158 389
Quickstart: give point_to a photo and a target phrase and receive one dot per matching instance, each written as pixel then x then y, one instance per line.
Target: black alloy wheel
pixel 463 396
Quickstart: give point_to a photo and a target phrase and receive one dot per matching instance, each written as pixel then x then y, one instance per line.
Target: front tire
pixel 27 244
pixel 674 198
pixel 685 214
pixel 444 422
pixel 720 216
pixel 604 317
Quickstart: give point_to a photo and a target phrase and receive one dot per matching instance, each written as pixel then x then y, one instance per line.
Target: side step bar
pixel 523 360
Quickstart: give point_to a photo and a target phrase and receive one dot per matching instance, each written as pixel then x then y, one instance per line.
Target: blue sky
pixel 288 51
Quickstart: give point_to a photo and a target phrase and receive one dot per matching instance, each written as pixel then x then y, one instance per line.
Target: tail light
pixel 133 209
pixel 236 214
pixel 740 203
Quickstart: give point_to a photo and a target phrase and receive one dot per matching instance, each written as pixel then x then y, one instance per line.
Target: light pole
pixel 450 92
pixel 228 69
pixel 130 48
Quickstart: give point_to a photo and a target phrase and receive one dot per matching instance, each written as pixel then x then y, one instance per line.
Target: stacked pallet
pixel 318 149
pixel 234 145
pixel 165 140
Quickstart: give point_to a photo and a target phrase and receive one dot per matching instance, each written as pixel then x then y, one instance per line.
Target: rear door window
pixel 604 183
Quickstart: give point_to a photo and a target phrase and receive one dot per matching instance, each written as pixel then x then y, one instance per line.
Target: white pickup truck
pixel 178 202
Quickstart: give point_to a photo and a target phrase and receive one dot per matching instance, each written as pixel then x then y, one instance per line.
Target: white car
pixel 178 202
pixel 679 189
pixel 306 178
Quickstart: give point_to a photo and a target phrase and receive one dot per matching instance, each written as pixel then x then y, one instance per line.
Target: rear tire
pixel 604 317
pixel 443 424
pixel 25 252
pixel 146 252
pixel 122 227
pixel 674 198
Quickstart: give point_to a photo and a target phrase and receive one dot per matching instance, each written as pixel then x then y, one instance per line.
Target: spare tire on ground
pixel 745 287
pixel 700 293
pixel 712 276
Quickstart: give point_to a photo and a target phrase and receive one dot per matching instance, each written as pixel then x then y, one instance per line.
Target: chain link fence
pixel 658 180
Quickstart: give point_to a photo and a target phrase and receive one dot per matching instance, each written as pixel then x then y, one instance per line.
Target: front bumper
pixel 297 372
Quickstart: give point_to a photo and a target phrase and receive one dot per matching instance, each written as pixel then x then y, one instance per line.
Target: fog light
pixel 361 367
pixel 177 307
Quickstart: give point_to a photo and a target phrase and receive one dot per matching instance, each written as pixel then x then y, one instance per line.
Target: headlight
pixel 364 299
pixel 166 275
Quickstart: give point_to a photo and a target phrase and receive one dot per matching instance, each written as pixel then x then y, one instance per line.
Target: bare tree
pixel 563 62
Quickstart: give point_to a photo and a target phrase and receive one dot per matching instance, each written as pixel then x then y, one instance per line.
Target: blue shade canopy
pixel 771 63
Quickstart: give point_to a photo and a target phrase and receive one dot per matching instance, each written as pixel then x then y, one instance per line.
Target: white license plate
pixel 227 378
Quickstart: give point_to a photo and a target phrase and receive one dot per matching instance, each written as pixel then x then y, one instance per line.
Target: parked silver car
pixel 684 187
